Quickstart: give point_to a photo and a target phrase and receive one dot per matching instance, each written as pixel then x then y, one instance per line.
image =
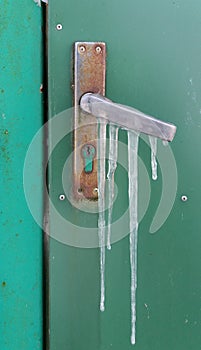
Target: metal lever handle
pixel 126 117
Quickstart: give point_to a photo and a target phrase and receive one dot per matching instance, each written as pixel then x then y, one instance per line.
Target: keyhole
pixel 88 154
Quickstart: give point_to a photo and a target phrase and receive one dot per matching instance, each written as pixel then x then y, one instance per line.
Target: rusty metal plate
pixel 88 76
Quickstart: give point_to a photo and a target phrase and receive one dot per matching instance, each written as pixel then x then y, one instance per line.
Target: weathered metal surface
pixel 89 76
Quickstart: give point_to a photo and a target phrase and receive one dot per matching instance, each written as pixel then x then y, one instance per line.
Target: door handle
pixel 126 117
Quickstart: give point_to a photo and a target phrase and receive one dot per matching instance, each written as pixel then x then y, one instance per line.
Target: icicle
pixel 113 152
pixel 101 206
pixel 165 143
pixel 133 212
pixel 153 145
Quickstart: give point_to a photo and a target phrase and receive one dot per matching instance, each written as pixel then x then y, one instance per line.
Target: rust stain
pixel 5 154
pixel 89 61
pixel 3 284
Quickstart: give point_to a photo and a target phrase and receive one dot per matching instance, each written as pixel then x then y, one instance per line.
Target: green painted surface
pixel 20 118
pixel 153 64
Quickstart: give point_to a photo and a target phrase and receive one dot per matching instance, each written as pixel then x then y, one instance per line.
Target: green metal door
pixel 153 64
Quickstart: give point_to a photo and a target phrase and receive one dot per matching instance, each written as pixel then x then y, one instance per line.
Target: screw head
pixel 98 49
pixel 59 26
pixel 95 190
pixel 184 198
pixel 62 197
pixel 82 49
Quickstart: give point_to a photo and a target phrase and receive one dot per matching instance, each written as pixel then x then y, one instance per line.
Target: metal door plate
pixel 88 76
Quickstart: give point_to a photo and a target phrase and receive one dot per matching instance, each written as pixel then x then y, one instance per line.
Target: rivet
pixel 184 198
pixel 98 49
pixel 59 26
pixel 62 197
pixel 82 49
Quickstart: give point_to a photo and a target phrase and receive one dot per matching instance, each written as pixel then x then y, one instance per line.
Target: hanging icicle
pixel 133 212
pixel 112 164
pixel 153 145
pixel 133 140
pixel 101 206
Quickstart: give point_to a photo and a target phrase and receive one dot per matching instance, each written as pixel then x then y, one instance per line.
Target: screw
pixel 95 190
pixel 82 49
pixel 98 49
pixel 59 26
pixel 62 197
pixel 184 198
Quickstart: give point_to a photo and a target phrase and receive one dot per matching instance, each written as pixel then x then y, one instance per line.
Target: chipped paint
pixel 41 88
pixel 38 2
